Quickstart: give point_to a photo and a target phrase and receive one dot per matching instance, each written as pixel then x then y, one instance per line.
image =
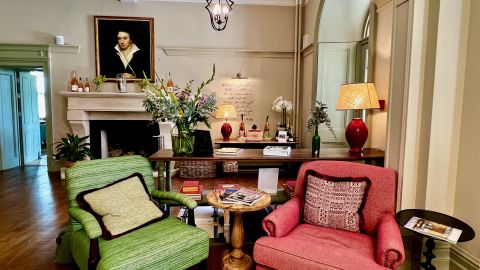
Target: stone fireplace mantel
pixel 83 107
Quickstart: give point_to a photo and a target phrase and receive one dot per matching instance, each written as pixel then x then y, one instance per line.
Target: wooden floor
pixel 33 210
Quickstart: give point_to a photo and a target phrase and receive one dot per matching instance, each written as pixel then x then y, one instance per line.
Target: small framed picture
pixel 282 136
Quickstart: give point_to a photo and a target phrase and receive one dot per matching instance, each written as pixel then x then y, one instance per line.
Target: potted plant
pixel 72 148
pixel 99 81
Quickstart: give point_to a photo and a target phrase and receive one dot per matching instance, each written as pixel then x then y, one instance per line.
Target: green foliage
pixel 318 115
pixel 99 80
pixel 73 148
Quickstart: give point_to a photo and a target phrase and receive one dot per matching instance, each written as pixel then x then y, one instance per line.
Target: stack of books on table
pixel 289 187
pixel 230 151
pixel 244 196
pixel 283 151
pixel 192 189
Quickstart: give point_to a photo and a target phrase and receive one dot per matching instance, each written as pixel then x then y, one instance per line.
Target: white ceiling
pixel 237 2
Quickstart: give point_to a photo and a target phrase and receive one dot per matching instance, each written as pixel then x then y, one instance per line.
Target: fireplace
pixel 120 117
pixel 112 138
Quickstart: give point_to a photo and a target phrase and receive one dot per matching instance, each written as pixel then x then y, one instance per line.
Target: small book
pixel 287 190
pixel 190 186
pixel 232 151
pixel 433 229
pixel 291 184
pixel 192 193
pixel 271 150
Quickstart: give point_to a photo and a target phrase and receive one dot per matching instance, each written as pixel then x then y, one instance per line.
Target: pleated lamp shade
pixel 357 96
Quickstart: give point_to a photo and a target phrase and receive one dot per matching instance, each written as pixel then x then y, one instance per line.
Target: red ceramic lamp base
pixel 226 131
pixel 356 135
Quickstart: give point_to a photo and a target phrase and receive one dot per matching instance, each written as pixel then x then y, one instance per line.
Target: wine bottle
pixel 170 84
pixel 266 129
pixel 241 131
pixel 74 82
pixel 86 87
pixel 80 85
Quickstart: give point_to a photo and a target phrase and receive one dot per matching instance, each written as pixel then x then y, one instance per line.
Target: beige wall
pixel 381 76
pixel 263 29
pixel 467 206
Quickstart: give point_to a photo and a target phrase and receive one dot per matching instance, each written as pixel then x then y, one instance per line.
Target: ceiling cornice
pixel 237 2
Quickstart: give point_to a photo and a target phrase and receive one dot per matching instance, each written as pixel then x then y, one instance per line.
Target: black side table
pixel 405 215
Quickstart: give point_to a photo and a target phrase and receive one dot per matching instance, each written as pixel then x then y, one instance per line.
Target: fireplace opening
pixel 112 138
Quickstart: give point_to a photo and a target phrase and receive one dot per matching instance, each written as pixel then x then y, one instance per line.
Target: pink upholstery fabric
pixel 314 247
pixel 292 244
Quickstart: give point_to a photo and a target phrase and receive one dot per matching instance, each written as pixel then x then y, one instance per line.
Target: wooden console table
pixel 369 156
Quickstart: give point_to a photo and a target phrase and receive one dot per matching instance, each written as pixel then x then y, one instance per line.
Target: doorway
pixel 23 115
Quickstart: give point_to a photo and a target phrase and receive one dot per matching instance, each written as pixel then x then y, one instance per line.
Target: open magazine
pixel 434 229
pixel 244 196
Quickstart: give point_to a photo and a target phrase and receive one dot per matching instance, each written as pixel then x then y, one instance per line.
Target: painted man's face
pixel 123 39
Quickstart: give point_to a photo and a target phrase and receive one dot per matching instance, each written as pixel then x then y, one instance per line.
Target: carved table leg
pixel 430 244
pixel 237 259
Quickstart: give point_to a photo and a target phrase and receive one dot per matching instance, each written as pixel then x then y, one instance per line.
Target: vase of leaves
pixel 318 115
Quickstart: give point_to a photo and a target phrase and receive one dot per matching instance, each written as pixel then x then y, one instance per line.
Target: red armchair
pixel 293 244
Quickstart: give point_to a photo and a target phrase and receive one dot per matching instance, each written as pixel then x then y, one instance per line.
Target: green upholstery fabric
pixel 87 221
pixel 167 244
pixel 175 196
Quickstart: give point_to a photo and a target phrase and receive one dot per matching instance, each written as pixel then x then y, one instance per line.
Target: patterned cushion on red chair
pixel 335 202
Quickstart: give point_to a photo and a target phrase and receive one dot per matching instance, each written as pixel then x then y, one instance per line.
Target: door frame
pixel 22 56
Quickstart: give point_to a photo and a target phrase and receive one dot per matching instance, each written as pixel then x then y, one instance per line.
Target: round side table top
pixel 467 232
pixel 262 203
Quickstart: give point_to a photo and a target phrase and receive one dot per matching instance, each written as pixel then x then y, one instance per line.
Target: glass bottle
pixel 242 131
pixel 74 82
pixel 170 84
pixel 86 87
pixel 80 85
pixel 316 144
pixel 266 129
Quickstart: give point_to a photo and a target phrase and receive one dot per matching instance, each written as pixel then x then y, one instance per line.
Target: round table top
pixel 262 203
pixel 467 232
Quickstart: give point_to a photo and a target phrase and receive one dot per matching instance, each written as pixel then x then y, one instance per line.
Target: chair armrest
pixel 390 251
pixel 281 221
pixel 175 196
pixel 87 220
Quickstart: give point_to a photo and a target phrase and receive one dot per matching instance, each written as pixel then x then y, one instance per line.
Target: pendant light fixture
pixel 219 11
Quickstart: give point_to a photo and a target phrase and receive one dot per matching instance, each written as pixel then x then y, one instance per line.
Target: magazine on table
pixel 433 229
pixel 231 151
pixel 245 196
pixel 273 150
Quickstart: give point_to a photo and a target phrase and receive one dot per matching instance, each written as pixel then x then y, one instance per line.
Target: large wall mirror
pixel 343 57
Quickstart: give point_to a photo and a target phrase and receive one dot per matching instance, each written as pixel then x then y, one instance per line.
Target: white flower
pixel 279 104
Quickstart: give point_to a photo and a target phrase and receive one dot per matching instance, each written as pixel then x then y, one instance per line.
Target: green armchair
pixel 166 244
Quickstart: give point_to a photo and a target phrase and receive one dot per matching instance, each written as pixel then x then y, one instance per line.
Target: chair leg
pixel 94 254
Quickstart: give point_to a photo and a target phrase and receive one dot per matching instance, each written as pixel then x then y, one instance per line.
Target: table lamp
pixel 226 111
pixel 357 96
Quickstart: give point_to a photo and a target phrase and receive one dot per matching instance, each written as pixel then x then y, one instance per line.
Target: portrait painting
pixel 124 47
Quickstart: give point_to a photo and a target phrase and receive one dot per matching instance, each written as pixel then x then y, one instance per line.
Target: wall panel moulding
pixel 227 52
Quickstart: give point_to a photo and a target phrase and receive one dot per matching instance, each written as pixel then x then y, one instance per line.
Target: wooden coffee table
pixel 236 259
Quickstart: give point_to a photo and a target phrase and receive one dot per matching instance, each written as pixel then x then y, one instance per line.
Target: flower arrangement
pixel 279 104
pixel 318 115
pixel 184 107
pixel 99 81
pixel 283 107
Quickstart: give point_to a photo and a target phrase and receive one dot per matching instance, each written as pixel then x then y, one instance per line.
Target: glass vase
pixel 316 144
pixel 182 141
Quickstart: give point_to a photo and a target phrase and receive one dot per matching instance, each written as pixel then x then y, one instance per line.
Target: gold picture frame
pixel 124 45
